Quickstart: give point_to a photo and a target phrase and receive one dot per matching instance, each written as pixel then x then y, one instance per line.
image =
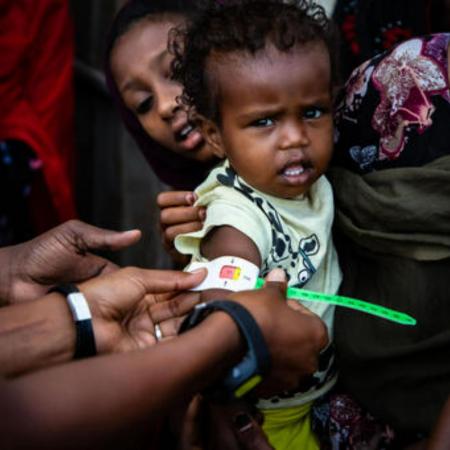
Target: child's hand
pixel 178 215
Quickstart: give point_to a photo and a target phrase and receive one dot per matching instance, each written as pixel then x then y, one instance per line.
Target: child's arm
pixel 227 241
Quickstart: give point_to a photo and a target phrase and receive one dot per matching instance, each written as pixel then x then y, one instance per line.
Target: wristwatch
pixel 249 372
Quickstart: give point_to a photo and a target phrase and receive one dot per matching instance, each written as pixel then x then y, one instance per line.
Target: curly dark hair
pixel 243 25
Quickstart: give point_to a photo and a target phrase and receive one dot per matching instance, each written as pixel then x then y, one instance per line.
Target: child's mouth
pixel 296 173
pixel 293 171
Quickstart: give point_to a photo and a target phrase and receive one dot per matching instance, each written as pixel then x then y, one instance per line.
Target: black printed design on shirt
pixel 282 252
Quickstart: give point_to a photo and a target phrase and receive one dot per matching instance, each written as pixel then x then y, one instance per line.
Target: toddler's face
pixel 276 117
pixel 140 65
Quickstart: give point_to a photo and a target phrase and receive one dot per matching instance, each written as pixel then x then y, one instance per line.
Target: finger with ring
pixel 158 332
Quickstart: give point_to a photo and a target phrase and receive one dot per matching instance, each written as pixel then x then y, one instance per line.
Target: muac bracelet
pixel 237 274
pixel 85 339
pixel 248 373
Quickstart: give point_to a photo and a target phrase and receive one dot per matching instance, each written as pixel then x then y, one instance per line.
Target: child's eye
pixel 145 106
pixel 313 113
pixel 264 122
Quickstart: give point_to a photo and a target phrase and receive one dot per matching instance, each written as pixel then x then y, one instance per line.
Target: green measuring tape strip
pixel 347 302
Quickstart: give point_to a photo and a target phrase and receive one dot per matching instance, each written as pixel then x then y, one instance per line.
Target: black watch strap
pixel 243 377
pixel 85 338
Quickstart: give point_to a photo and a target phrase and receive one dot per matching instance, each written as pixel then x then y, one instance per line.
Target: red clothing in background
pixel 36 98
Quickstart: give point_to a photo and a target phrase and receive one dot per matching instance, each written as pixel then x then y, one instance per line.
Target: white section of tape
pixel 227 272
pixel 79 307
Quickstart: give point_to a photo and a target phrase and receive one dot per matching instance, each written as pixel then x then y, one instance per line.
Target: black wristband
pixel 85 338
pixel 243 377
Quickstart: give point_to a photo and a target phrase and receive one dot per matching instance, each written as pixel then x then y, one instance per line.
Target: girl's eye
pixel 145 106
pixel 264 122
pixel 313 113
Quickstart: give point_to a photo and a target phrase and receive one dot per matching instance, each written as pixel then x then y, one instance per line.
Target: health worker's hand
pixel 121 303
pixel 62 254
pixel 294 337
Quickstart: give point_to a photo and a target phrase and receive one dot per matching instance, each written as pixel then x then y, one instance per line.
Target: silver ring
pixel 158 332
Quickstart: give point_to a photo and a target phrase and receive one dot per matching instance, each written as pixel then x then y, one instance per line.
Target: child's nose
pixel 294 135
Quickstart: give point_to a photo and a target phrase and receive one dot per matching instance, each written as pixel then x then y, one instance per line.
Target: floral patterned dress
pixel 393 113
pixel 395 109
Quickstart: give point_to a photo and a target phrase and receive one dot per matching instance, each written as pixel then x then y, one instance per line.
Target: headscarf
pixel 174 169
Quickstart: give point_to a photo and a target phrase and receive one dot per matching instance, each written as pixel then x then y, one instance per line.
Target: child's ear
pixel 213 137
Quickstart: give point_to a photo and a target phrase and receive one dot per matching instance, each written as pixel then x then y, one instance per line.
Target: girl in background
pixel 137 71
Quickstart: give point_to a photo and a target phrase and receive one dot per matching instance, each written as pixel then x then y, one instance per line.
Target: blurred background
pixel 64 152
pixel 63 149
pixel 115 187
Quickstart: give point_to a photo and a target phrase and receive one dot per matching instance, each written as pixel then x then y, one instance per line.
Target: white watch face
pixel 227 272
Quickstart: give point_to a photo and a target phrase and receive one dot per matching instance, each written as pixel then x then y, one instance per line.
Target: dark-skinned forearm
pixel 35 334
pixel 99 399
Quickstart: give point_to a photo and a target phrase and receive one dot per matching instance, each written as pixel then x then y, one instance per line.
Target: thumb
pixel 95 238
pixel 162 281
pixel 276 275
pixel 276 279
pixel 91 266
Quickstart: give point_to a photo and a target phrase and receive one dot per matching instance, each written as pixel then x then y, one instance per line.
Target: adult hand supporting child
pixel 113 401
pixel 41 333
pixel 298 357
pixel 238 424
pixel 121 304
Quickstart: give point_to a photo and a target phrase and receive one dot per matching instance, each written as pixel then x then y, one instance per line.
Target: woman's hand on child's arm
pixel 294 338
pixel 301 336
pixel 228 241
pixel 178 216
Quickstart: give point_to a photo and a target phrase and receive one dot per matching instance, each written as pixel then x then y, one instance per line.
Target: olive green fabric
pixel 393 240
pixel 403 211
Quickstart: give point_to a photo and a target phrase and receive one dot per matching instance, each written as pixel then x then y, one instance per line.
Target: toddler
pixel 260 76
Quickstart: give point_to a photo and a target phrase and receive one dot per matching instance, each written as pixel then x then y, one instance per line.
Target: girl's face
pixel 140 65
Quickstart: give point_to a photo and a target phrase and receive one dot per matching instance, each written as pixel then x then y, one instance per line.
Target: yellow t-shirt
pixel 295 235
